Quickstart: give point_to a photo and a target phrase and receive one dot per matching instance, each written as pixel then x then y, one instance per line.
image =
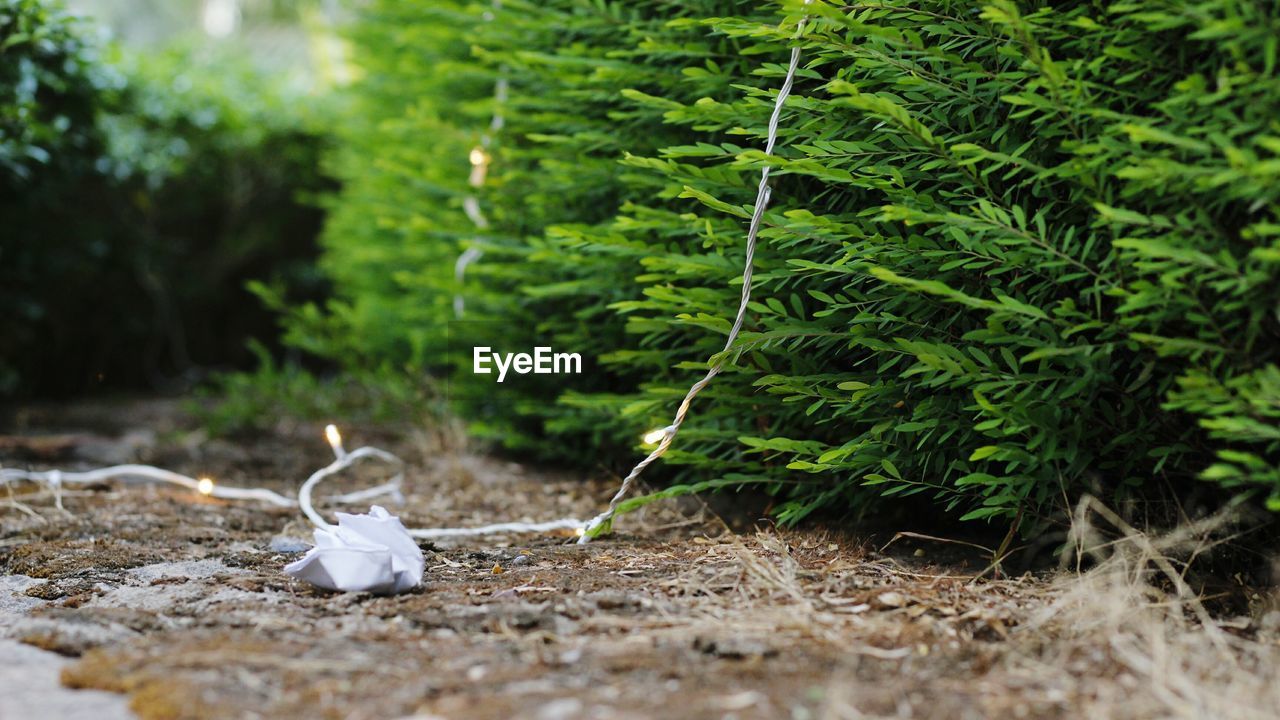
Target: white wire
pixel 471 204
pixel 343 460
pixel 56 478
pixel 763 192
pixel 468 256
pixel 498 528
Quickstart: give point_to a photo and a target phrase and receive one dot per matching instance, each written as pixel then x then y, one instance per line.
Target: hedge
pixel 137 196
pixel 1017 251
pixel 50 84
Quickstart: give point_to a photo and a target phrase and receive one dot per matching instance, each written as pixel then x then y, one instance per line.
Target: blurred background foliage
pixel 296 41
pixel 143 183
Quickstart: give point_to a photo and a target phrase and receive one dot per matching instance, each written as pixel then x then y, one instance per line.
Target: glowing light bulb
pixel 335 440
pixel 204 486
pixel 478 156
pixel 221 18
pixel 653 437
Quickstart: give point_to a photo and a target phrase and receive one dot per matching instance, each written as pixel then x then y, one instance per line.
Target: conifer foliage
pixel 1017 251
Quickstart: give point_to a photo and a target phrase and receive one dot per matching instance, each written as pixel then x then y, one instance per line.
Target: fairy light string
pixel 56 479
pixel 665 436
pixel 480 159
pixel 343 460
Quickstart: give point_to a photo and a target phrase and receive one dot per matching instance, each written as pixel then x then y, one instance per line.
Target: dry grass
pixel 1131 639
pixel 1127 638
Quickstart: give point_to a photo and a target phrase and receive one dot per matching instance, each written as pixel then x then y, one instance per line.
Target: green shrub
pixel 1016 252
pixel 222 165
pixel 51 83
pixel 257 401
pixel 137 197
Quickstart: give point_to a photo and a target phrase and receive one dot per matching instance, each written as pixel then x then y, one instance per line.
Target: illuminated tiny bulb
pixel 653 437
pixel 205 486
pixel 335 440
pixel 479 166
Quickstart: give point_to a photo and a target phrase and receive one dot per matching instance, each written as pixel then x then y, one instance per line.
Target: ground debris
pixel 734 646
pixel 180 604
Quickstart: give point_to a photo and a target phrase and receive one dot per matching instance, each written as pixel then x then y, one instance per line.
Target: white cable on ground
pixel 343 460
pixel 499 529
pixel 55 479
pixel 668 433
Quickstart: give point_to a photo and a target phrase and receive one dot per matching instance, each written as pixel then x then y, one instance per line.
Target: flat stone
pixel 284 544
pixel 14 602
pixel 30 687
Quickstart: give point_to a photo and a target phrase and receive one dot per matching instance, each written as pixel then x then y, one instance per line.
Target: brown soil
pixel 180 602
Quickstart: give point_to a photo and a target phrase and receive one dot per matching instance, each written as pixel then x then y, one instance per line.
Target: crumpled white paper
pixel 363 553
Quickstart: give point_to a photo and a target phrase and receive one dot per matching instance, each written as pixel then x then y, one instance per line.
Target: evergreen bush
pixel 1016 252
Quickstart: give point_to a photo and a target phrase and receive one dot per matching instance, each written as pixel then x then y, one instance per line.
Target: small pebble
pixel 561 709
pixel 890 600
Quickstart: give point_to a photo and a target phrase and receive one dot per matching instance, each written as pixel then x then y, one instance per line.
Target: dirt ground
pixel 178 602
